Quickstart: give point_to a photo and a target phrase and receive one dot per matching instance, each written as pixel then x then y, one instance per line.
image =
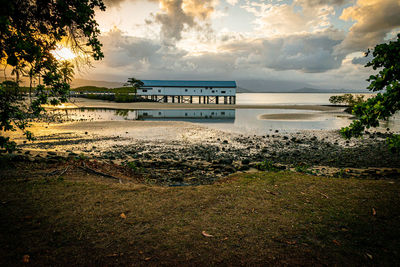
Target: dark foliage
pixel 386 57
pixel 30 30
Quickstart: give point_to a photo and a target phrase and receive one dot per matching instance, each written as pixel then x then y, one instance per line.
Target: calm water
pixel 249 121
pixel 281 99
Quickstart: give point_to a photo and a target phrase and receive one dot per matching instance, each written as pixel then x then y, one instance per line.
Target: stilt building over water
pixel 202 92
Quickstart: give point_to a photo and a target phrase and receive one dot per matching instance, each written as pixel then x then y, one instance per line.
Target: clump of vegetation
pixel 126 94
pixel 386 57
pixel 349 100
pixel 134 166
pixel 119 98
pixel 394 143
pixel 342 173
pixel 90 89
pixel 303 168
pixel 269 166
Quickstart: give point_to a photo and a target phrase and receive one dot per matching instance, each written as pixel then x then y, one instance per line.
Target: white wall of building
pixel 191 91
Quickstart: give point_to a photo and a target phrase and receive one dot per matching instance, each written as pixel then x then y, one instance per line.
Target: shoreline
pixel 184 153
pixel 102 104
pixel 178 152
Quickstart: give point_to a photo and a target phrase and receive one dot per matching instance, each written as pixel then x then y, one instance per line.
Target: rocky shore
pixel 190 154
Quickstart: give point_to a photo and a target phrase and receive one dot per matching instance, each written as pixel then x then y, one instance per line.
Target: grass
pixel 254 219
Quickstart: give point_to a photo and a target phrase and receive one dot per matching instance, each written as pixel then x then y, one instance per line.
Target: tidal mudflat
pixel 182 152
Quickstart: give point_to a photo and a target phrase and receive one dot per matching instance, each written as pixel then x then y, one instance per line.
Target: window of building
pixel 223 92
pixel 159 113
pixel 212 91
pixel 222 113
pixel 185 90
pixel 159 90
pixel 144 90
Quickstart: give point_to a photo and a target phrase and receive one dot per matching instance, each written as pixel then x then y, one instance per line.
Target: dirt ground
pixel 61 214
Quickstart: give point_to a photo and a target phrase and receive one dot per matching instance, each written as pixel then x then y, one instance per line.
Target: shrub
pixel 267 165
pixel 349 100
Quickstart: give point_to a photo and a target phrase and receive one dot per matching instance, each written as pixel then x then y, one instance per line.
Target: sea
pixel 247 121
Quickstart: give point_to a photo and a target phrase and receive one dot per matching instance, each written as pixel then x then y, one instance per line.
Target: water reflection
pixel 250 121
pixel 197 115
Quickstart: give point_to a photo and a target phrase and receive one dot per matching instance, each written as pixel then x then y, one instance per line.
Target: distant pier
pixel 200 92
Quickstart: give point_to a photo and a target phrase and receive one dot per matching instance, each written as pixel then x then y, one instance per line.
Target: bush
pixel 267 165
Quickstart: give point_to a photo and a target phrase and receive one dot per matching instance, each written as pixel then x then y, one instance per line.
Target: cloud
pixel 288 19
pixel 242 57
pixel 279 58
pixel 117 3
pixel 362 60
pixel 315 3
pixel 374 20
pixel 307 52
pixel 123 51
pixel 179 15
pixel 113 3
pixel 232 2
pixel 289 41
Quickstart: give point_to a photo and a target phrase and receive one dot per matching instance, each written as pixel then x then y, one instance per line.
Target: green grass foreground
pixel 253 219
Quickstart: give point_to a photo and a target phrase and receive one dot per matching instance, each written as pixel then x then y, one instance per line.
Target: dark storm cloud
pixel 307 53
pixel 120 50
pixel 303 52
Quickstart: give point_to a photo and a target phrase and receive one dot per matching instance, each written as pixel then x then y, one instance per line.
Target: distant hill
pixel 82 82
pixel 273 86
pixel 244 86
pixel 270 86
pixel 243 90
pixel 332 91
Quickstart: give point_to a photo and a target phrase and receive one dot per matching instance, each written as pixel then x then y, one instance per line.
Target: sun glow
pixel 63 53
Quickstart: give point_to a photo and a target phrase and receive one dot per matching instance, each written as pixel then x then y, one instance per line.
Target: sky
pixel 318 42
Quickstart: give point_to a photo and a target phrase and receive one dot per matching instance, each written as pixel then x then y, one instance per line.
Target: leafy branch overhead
pixel 30 31
pixel 386 57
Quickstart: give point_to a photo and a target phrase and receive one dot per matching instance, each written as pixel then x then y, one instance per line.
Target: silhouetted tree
pixel 135 84
pixel 67 71
pixel 30 31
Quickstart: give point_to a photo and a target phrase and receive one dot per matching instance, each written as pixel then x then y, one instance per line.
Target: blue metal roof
pixel 170 83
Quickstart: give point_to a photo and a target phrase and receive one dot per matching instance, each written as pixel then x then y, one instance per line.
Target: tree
pixel 135 84
pixel 386 57
pixel 67 71
pixel 348 99
pixel 29 31
pixel 17 71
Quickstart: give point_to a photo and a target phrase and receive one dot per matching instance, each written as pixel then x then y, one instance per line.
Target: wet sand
pixel 92 103
pixel 291 116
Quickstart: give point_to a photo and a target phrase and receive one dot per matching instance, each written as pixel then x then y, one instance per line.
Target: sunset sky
pixel 318 42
